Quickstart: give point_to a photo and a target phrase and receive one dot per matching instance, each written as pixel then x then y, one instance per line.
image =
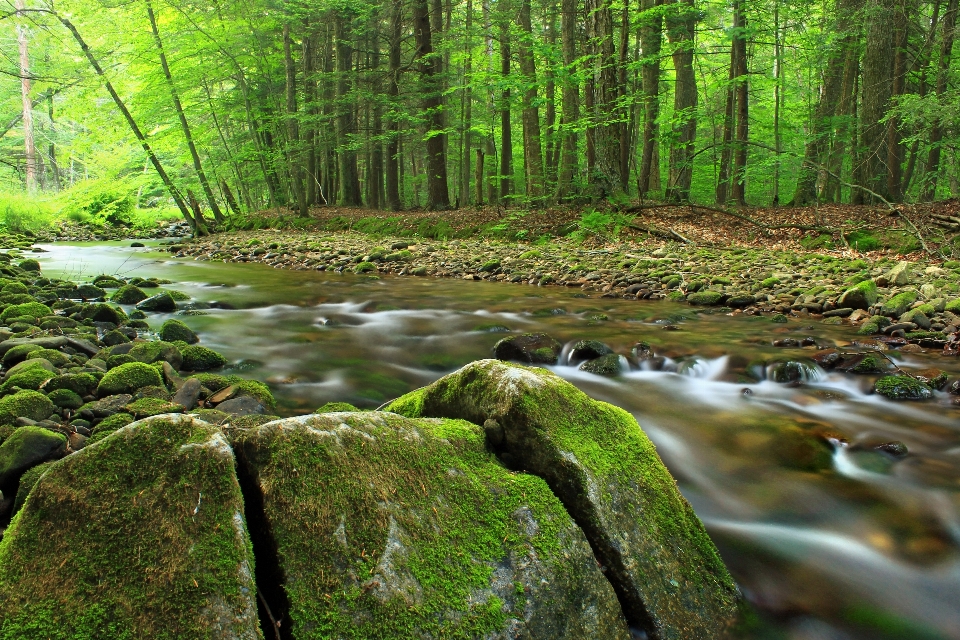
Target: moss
pixel 102 312
pixel 27 481
pixel 178 296
pixel 256 390
pixel 156 351
pixel 108 425
pixel 197 358
pixel 30 309
pixel 128 294
pixel 394 527
pixel 173 330
pixel 953 306
pixel 164 551
pixel 607 365
pixel 211 415
pixel 65 399
pixel 115 361
pixel 365 267
pixel 127 378
pixel 82 384
pixel 25 404
pixel 335 407
pixel 767 283
pixel 29 378
pixel 903 387
pixel 870 364
pixel 606 470
pixel 54 357
pixel 490 266
pixel 146 407
pixel 19 353
pixel 705 298
pixel 14 287
pixel 898 304
pixel 214 381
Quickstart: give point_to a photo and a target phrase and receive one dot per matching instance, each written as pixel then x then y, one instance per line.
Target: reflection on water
pixel 829 536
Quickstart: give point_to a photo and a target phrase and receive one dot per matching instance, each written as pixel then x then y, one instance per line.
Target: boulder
pixel 156 351
pixel 588 350
pixel 157 546
pixel 197 358
pixel 128 294
pixel 705 298
pixel 173 330
pixel 896 306
pixel 25 404
pixel 102 312
pixel 127 378
pixel 900 275
pixel 903 387
pixel 242 406
pixel 26 448
pixel 597 460
pixel 162 302
pixel 412 529
pixel 533 348
pixel 608 365
pixel 861 296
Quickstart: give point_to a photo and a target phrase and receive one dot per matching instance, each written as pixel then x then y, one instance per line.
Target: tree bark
pixel 532 152
pixel 605 114
pixel 506 133
pixel 877 88
pixel 739 187
pixel 29 146
pixel 948 35
pixel 570 97
pixel 310 107
pixel 346 118
pixel 438 194
pixel 651 39
pixel 681 31
pixel 293 127
pixel 467 123
pixel 393 159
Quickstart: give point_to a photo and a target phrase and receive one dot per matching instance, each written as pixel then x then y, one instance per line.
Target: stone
pixel 162 302
pixel 27 481
pixel 900 275
pixel 903 387
pixel 188 394
pixel 532 348
pixel 173 330
pixel 917 317
pixel 860 296
pixel 107 406
pixel 607 365
pixel 596 459
pixel 156 351
pixel 242 406
pixel 197 358
pixel 705 298
pixel 25 448
pixel 588 350
pixel 337 407
pixel 25 404
pixel 102 312
pixel 44 343
pixel 896 305
pixel 159 546
pixel 127 378
pixel 412 529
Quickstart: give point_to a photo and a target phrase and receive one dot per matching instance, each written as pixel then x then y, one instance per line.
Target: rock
pixel 588 350
pixel 29 265
pixel 164 552
pixel 928 291
pixel 643 531
pixel 197 358
pixel 128 294
pixel 521 552
pixel 337 407
pixel 88 292
pixel 113 338
pixel 148 407
pixel 65 399
pixel 608 365
pixel 127 378
pixel 740 301
pixel 43 343
pixel 897 305
pixel 136 245
pixel 27 481
pixel 917 317
pixel 900 275
pixel 82 384
pixel 108 425
pixel 861 296
pixel 83 346
pixel 25 448
pixel 843 312
pixel 188 394
pixel 533 348
pixel 25 404
pixel 242 406
pixel 903 387
pixel 102 312
pixel 705 298
pixel 173 330
pixel 107 406
pixel 895 449
pixel 31 309
pixel 162 302
pixel 156 351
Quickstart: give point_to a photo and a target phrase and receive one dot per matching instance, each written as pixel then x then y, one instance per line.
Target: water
pixel 827 541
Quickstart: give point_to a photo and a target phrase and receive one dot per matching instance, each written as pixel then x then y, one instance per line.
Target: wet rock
pixel 173 330
pixel 898 304
pixel 588 350
pixel 197 358
pixel 705 298
pixel 798 449
pixel 162 303
pixel 440 497
pixel 242 406
pixel 128 294
pixel 156 351
pixel 168 485
pixel 102 312
pixel 894 449
pixel 553 430
pixel 903 387
pixel 127 378
pixel 25 448
pixel 860 296
pixel 188 394
pixel 844 312
pixel 533 348
pixel 740 301
pixel 608 365
pixel 789 371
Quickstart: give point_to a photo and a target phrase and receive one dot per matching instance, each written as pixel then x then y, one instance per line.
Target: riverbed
pixel 828 535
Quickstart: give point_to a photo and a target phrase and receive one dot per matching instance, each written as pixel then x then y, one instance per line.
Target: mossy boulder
pixel 917 317
pixel 19 353
pixel 532 348
pixel 860 296
pixel 162 302
pixel 197 358
pixel 588 350
pixel 128 294
pixel 705 298
pixel 173 330
pixel 147 407
pixel 65 399
pixel 127 378
pixel 29 265
pixel 337 407
pixel 88 292
pixel 597 460
pixel 27 481
pixel 608 365
pixel 54 357
pixel 108 425
pixel 102 312
pixel 29 378
pixel 82 384
pixel 897 305
pixel 156 351
pixel 13 288
pixel 387 527
pixel 30 309
pixel 26 448
pixel 903 387
pixel 25 404
pixel 158 545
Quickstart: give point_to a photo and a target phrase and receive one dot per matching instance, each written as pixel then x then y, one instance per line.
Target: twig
pixel 266 607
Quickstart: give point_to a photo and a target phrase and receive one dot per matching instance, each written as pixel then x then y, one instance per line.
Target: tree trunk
pixel 346 118
pixel 877 87
pixel 29 147
pixel 310 132
pixel 293 132
pixel 204 184
pixel 438 195
pixel 394 159
pixel 376 153
pixel 651 39
pixel 478 177
pixel 681 31
pixel 948 34
pixel 894 160
pixel 726 150
pixel 739 187
pixel 606 174
pixel 550 108
pixel 532 153
pixel 506 133
pixel 467 137
pixel 570 97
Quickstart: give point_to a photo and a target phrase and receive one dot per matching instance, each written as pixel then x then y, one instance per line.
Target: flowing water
pixel 827 536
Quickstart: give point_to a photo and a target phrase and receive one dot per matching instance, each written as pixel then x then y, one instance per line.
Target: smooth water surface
pixel 826 541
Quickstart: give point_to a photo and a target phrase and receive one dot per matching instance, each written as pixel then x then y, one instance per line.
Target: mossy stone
pixel 14 287
pixel 108 425
pixel 705 298
pixel 164 551
pixel 156 351
pixel 54 357
pixel 197 358
pixel 127 378
pixel 606 471
pixel 27 481
pixel 82 384
pixel 88 292
pixel 588 350
pixel 102 312
pixel 446 543
pixel 173 330
pixel 29 309
pixel 19 353
pixel 25 448
pixel 128 294
pixel 30 265
pixel 903 387
pixel 162 302
pixel 365 267
pixel 29 378
pixel 533 348
pixel 147 407
pixel 337 407
pixel 898 304
pixel 65 399
pixel 608 365
pixel 861 296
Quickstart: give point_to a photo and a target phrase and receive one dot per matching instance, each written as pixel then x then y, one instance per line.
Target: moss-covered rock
pixel 173 330
pixel 108 425
pixel 65 399
pixel 158 546
pixel 27 481
pixel 29 378
pixel 29 309
pixel 30 265
pixel 860 296
pixel 19 353
pixel 102 312
pixel 336 407
pixel 365 267
pixel 156 351
pixel 898 304
pixel 127 378
pixel 903 387
pixel 26 448
pixel 128 294
pixel 162 302
pixel 54 357
pixel 705 298
pixel 25 404
pixel 82 384
pixel 599 462
pixel 147 407
pixel 197 358
pixel 393 528
pixel 608 365
pixel 533 348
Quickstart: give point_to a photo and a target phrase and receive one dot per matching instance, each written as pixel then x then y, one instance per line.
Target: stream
pixel 826 541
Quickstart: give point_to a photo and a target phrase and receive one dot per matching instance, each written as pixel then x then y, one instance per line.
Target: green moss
pixel 705 298
pixel 178 296
pixel 156 351
pixel 490 266
pixel 31 309
pixel 82 384
pixel 197 358
pixel 953 306
pixel 54 357
pixel 146 407
pixel 903 387
pixel 256 390
pixel 870 364
pixel 29 378
pixel 108 425
pixel 25 404
pixel 164 552
pixel 215 381
pixel 128 294
pixel 898 304
pixel 127 378
pixel 769 282
pixel 19 353
pixel 65 399
pixel 14 287
pixel 365 267
pixel 335 407
pixel 174 330
pixel 27 481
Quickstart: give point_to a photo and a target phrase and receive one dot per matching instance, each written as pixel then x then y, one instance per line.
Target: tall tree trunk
pixel 777 98
pixel 624 98
pixel 739 187
pixel 52 150
pixel 346 118
pixel 902 9
pixel 651 39
pixel 205 185
pixel 845 128
pixel 550 108
pixel 154 160
pixel 467 123
pixel 948 34
pixel 506 132
pixel 376 153
pixel 920 65
pixel 310 108
pixel 570 97
pixel 532 152
pixel 604 115
pixel 394 159
pixel 729 121
pixel 488 144
pixel 29 147
pixel 877 87
pixel 293 126
pixel 681 31
pixel 438 195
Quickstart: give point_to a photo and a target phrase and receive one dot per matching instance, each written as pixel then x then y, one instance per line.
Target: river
pixel 828 537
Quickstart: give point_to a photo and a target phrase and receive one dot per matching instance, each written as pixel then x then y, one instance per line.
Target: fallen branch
pixel 656 231
pixel 273 621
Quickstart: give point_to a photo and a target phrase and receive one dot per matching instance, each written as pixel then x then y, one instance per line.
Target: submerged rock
pixel 903 387
pixel 533 348
pixel 594 456
pixel 608 365
pixel 157 545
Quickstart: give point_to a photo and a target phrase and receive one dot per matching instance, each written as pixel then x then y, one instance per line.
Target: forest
pixel 219 108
